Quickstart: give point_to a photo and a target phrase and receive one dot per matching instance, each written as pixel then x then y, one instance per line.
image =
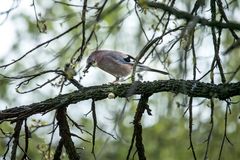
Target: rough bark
pixel 187 87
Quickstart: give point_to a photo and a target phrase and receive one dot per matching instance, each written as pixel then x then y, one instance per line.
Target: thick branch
pixel 64 132
pixel 186 15
pixel 58 151
pixel 142 105
pixel 187 87
pixel 16 135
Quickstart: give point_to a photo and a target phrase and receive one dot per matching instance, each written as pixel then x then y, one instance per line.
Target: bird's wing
pixel 120 57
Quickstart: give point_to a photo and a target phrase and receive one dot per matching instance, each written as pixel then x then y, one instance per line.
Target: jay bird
pixel 116 63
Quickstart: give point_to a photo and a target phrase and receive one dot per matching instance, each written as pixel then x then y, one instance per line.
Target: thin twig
pixel 190 127
pixel 211 130
pixel 94 117
pixel 42 44
pixel 27 136
pixel 225 131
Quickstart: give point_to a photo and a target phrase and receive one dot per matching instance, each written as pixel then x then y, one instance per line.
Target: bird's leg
pixel 140 77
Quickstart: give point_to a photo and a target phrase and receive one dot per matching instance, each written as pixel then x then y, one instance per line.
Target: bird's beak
pixel 87 67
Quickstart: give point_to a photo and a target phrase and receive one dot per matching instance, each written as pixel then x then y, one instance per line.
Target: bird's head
pixel 91 61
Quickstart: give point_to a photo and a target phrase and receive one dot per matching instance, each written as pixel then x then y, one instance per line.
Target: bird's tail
pixel 146 68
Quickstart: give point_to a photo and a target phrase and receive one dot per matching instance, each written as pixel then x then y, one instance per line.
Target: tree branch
pixel 58 151
pixel 142 105
pixel 65 134
pixel 42 44
pixel 186 15
pixel 188 87
pixel 17 131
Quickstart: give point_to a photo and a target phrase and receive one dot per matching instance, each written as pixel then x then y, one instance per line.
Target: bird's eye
pixel 127 59
pixel 93 63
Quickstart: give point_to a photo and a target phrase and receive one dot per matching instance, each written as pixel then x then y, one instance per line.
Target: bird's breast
pixel 117 70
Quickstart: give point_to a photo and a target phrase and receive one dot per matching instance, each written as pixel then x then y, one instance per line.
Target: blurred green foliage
pixel 168 137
